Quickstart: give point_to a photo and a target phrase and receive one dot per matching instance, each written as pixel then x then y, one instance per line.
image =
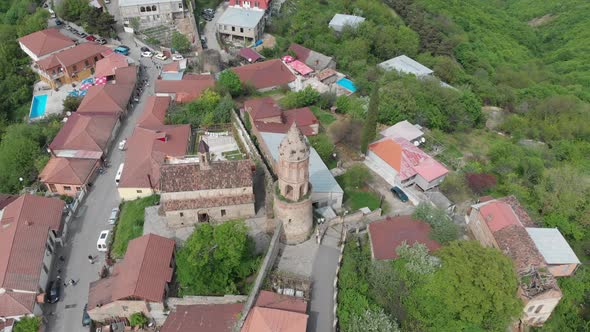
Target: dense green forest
pixel 530 59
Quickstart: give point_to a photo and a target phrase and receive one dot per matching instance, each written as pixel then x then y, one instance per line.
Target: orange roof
pixel 72 56
pixel 107 98
pixel 498 214
pixel 265 74
pixel 154 112
pixel 68 170
pixel 389 151
pixel 46 41
pixel 108 65
pixel 272 320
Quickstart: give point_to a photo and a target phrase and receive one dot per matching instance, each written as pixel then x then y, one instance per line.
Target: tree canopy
pixel 180 43
pixel 210 108
pixel 229 82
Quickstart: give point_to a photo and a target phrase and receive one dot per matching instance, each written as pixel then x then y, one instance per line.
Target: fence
pixel 342 241
pixel 267 264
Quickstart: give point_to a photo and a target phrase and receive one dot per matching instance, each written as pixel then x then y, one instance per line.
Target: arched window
pixel 288 191
pixel 142 9
pixel 154 8
pixel 148 9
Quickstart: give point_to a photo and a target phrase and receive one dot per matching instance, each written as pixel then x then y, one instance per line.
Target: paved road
pixel 210 28
pixel 321 313
pixel 84 230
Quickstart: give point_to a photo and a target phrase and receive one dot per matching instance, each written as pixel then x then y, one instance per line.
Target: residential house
pixel 406 65
pixel 151 12
pixel 30 227
pixel 40 44
pixel 203 318
pixel 315 60
pixel 339 21
pixel 70 65
pixel 110 63
pixel 254 4
pixel 138 283
pixel 504 224
pixel 68 176
pixel 388 234
pixel 148 147
pixel 85 136
pixel 327 76
pixel 403 164
pixel 325 191
pixel 275 312
pixel 250 55
pixel 6 199
pixel 186 90
pixel 206 191
pixel 266 75
pixel 174 71
pixel 111 98
pixel 246 25
pixel 405 130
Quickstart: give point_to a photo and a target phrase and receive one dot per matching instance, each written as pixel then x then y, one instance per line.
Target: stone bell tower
pixel 204 156
pixel 292 201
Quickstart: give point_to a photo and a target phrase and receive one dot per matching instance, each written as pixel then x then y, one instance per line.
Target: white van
pixel 119 172
pixel 103 240
pixel 51 12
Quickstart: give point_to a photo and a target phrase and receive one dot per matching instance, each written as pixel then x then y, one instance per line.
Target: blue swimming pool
pixel 347 84
pixel 38 106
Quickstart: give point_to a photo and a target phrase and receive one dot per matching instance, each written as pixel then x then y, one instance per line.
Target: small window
pixel 67 188
pixel 52 188
pixel 539 308
pixel 531 308
pixel 95 59
pixel 180 5
pixel 233 28
pixel 48 247
pixel 223 213
pixel 242 30
pixel 182 214
pixel 148 9
pixel 74 68
pixel 78 188
pixel 255 3
pixel 139 191
pixel 86 63
pixel 154 8
pixel 142 9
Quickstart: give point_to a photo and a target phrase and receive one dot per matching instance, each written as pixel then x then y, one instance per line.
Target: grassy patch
pixel 233 155
pixel 130 223
pixel 326 118
pixel 356 194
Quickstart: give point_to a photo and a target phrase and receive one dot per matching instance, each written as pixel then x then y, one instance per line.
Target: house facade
pixel 151 12
pixel 253 4
pixel 68 176
pixel 44 43
pixel 241 24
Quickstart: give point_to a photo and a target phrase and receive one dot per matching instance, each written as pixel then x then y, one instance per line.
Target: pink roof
pixel 108 65
pixel 85 132
pixel 107 98
pixel 498 215
pixel 154 112
pixel 283 302
pixel 249 54
pixel 300 67
pixel 386 235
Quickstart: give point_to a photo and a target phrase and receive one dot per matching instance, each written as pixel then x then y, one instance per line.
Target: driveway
pixel 211 28
pixel 396 207
pixel 66 315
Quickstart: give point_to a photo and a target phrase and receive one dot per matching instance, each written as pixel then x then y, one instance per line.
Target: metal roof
pixel 405 64
pixel 320 177
pixel 553 246
pixel 340 20
pixel 241 17
pixel 403 129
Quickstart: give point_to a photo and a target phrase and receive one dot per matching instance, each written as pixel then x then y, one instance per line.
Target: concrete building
pixel 505 225
pixel 138 283
pixel 111 98
pixel 246 25
pixel 292 197
pixel 339 21
pixel 206 191
pixel 151 12
pixel 31 227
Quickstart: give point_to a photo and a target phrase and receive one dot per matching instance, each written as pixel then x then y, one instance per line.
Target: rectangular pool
pixel 347 84
pixel 38 106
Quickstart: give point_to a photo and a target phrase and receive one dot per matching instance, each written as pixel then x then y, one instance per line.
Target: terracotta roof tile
pixel 207 202
pixel 498 215
pixel 328 72
pixel 221 175
pixel 516 243
pixel 388 234
pixel 106 98
pixel 126 77
pixel 72 56
pixel 68 170
pixel 16 304
pixel 249 54
pixel 85 132
pixel 272 320
pixel 109 64
pixel 301 52
pixel 203 318
pixel 46 41
pixel 265 74
pixel 6 199
pixel 520 212
pixel 273 300
pixel 262 108
pixel 154 112
pixel 188 89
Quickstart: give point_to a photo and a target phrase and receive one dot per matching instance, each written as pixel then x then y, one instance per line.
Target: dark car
pixel 85 317
pixel 54 290
pixel 145 49
pixel 58 22
pixel 399 193
pixel 208 18
pixel 208 11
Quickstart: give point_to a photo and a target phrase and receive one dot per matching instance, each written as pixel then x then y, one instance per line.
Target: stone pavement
pixel 66 315
pixel 299 259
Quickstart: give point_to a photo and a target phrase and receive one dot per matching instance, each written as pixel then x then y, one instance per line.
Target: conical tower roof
pixel 294 146
pixel 203 147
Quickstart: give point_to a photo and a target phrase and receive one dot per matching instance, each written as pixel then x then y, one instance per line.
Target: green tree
pixel 135 23
pixel 32 23
pixel 443 228
pixel 71 103
pixel 370 126
pixel 180 43
pixel 306 97
pixel 73 10
pixel 138 319
pixel 372 320
pixel 323 146
pixel 475 289
pixel 417 259
pixel 392 41
pixel 229 82
pixel 28 324
pixel 215 259
pixel 356 176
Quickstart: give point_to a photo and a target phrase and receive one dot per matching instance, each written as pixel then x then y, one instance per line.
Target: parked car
pixel 103 240
pixel 83 34
pixel 144 49
pixel 114 215
pixel 208 11
pixel 58 22
pixel 85 316
pixel 122 50
pixel 177 57
pixel 101 41
pixel 399 193
pixel 122 144
pixel 147 54
pixel 160 56
pixel 107 1
pixel 125 47
pixel 90 38
pixel 208 18
pixel 53 293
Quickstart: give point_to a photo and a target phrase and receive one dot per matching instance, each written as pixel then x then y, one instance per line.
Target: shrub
pixel 305 97
pixel 480 182
pixel 138 319
pixel 443 228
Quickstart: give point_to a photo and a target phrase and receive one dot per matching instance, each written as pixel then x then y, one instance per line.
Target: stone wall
pixel 267 264
pixel 118 309
pixel 297 218
pixel 172 302
pixel 190 217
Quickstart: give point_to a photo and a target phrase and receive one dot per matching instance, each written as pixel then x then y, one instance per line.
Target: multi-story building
pixel 243 20
pixel 151 12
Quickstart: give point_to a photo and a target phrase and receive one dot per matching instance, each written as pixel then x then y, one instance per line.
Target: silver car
pixel 114 215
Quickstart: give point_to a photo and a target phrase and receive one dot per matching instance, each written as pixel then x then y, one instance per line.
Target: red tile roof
pixel 301 52
pixel 266 108
pixel 154 112
pixel 24 229
pixel 108 65
pixel 275 312
pixel 386 235
pixel 267 74
pixel 249 54
pixel 262 108
pixel 106 98
pixel 142 274
pixel 72 56
pixel 273 300
pixel 407 159
pixel 6 199
pixel 46 41
pixel 147 149
pixel 280 128
pixel 85 132
pixel 68 170
pixel 126 77
pixel 222 175
pixel 516 243
pixel 188 89
pixel 302 116
pixel 498 215
pixel 203 318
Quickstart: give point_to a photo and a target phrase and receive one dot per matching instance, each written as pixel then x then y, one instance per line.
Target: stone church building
pixel 206 191
pixel 292 201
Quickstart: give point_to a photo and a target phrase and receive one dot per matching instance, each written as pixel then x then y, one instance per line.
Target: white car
pixel 103 240
pixel 122 144
pixel 177 57
pixel 160 56
pixel 113 216
pixel 147 54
